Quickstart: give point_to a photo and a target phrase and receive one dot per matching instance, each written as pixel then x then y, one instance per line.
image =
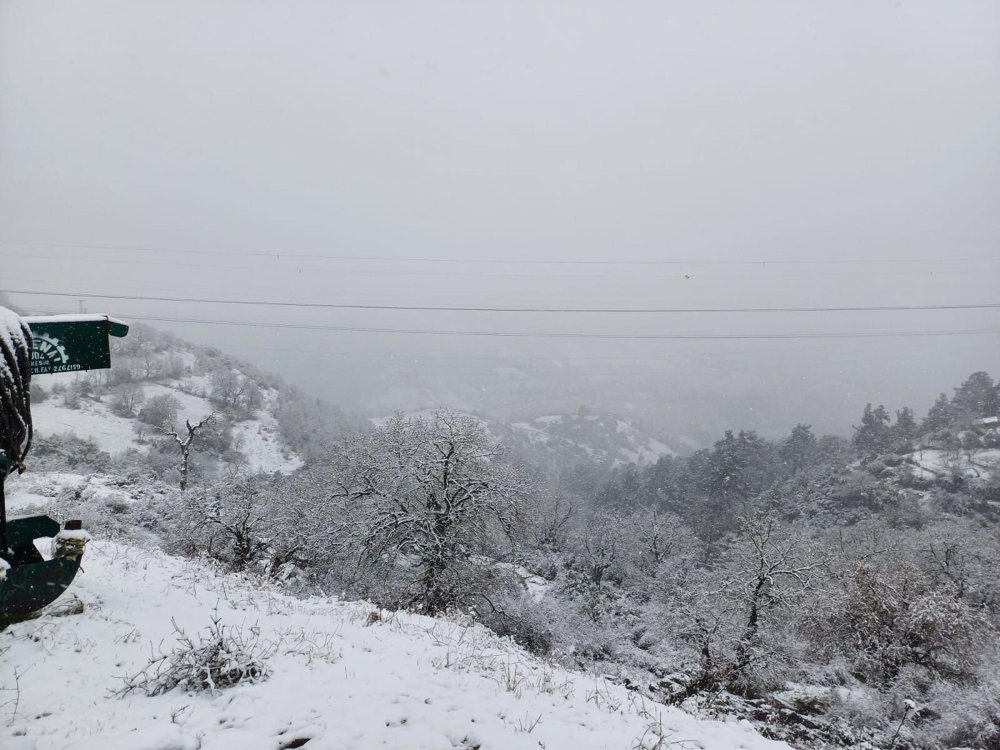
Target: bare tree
pixel 603 547
pixel 229 522
pixel 734 611
pixel 185 443
pixel 160 411
pixel 921 600
pixel 431 502
pixel 657 539
pixel 235 392
pixel 773 567
pixel 126 398
pixel 553 516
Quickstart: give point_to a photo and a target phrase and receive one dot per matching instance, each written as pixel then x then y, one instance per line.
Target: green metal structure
pixel 28 582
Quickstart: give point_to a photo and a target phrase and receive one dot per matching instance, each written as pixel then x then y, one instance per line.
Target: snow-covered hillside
pixel 112 433
pixel 593 436
pixel 342 676
pixel 584 437
pixel 970 465
pixel 255 432
pixel 948 459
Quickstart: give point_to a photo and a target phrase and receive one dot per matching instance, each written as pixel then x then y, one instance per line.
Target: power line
pixel 571 335
pixel 504 309
pixel 536 272
pixel 278 254
pixel 553 365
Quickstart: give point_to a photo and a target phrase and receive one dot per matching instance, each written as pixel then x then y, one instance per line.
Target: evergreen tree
pixel 762 463
pixel 906 425
pixel 623 491
pixel 799 449
pixel 632 489
pixel 739 468
pixel 729 479
pixel 976 397
pixel 665 485
pixel 939 416
pixel 696 476
pixel 874 435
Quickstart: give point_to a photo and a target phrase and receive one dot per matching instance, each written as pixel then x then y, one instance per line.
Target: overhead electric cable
pixel 500 261
pixel 506 309
pixel 567 334
pixel 561 272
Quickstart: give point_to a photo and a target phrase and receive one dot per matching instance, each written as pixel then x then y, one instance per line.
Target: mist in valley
pixel 686 156
pixel 500 375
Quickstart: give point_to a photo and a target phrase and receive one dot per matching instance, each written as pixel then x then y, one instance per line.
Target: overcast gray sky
pixel 774 154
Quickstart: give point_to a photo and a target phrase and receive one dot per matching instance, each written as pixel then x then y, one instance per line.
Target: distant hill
pixel 587 436
pixel 593 436
pixel 158 382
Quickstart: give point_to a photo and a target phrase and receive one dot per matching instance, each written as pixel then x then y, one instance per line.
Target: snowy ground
pixel 39 489
pixel 112 433
pixel 256 438
pixel 969 464
pixel 192 407
pixel 337 680
pixel 604 436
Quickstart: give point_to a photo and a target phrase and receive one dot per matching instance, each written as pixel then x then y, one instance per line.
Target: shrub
pixel 67 451
pixel 38 394
pixel 71 398
pixel 160 411
pixel 221 657
pixel 525 621
pixel 126 398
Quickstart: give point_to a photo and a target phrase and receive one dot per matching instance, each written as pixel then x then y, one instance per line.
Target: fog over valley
pixel 524 375
pixel 683 156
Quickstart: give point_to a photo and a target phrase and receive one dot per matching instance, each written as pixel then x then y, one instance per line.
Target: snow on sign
pixel 71 343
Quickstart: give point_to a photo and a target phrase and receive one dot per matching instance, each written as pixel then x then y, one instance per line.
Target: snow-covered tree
pixel 429 503
pixel 185 444
pixel 799 449
pixel 905 428
pixel 939 416
pixel 228 522
pixel 873 435
pixel 736 611
pixel 160 411
pixel 235 392
pixel 126 398
pixel 976 397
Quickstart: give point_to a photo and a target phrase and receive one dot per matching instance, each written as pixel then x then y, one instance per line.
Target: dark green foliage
pixel 666 483
pixel 873 436
pixel 799 449
pixel 976 397
pixel 939 416
pixel 626 489
pixel 729 480
pixel 905 428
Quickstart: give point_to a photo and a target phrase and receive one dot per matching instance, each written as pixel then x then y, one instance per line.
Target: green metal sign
pixel 72 343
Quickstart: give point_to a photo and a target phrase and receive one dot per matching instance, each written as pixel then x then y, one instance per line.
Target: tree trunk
pixel 185 453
